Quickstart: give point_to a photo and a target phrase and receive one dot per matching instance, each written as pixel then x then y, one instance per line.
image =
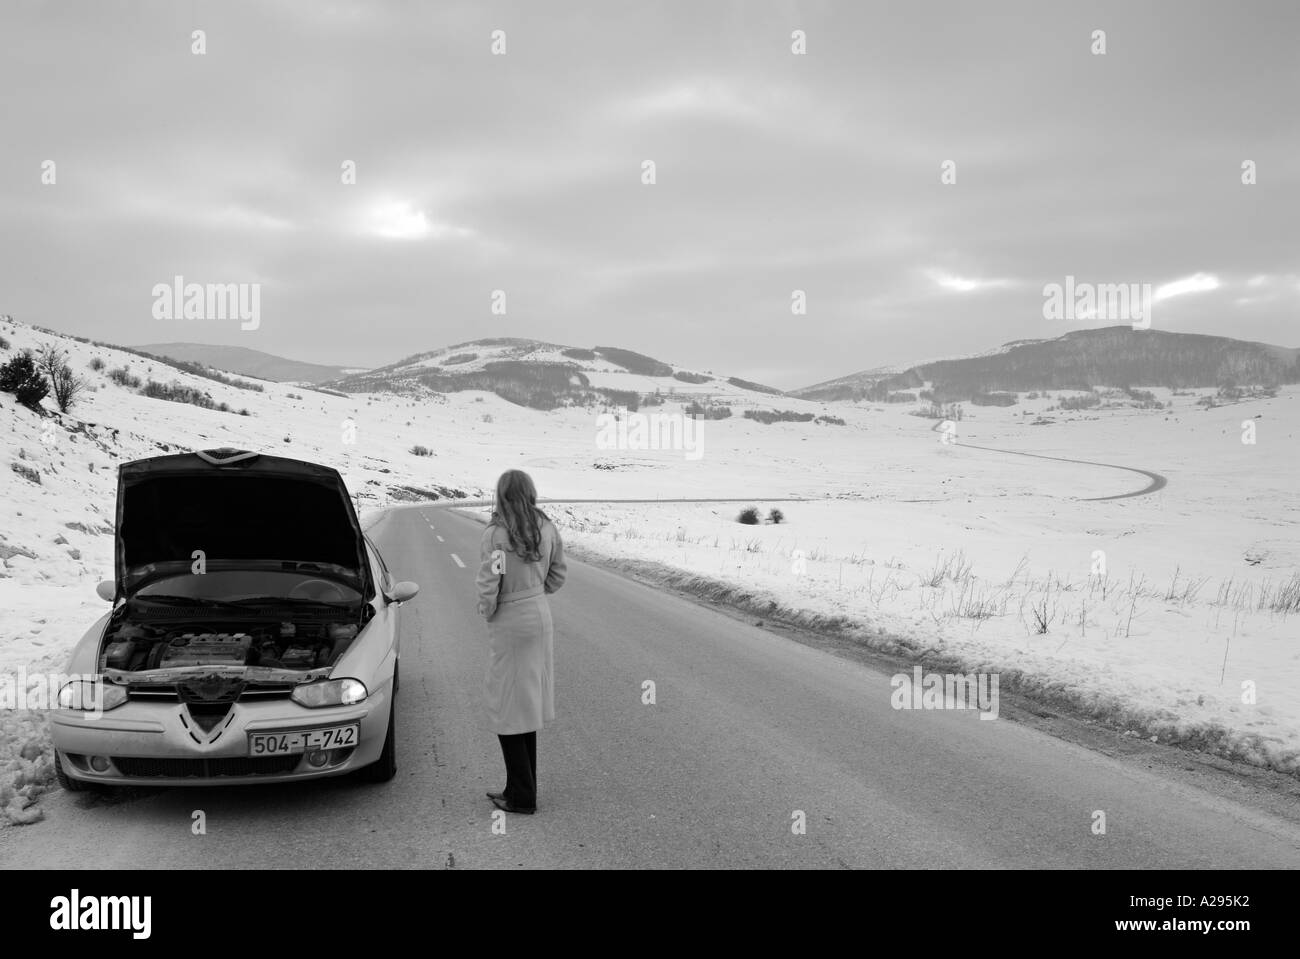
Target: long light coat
pixel 519 689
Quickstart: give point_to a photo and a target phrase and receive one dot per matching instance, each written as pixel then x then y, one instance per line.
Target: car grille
pixel 145 768
pixel 171 694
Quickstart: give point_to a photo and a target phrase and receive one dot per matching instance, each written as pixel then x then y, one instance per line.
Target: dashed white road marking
pixel 440 539
pixel 457 559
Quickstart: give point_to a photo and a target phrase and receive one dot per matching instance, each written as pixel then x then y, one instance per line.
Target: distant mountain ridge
pixel 240 359
pixel 544 375
pixel 1081 359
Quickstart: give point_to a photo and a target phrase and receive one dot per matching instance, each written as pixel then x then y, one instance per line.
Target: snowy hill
pixel 1081 359
pixel 547 375
pixel 246 362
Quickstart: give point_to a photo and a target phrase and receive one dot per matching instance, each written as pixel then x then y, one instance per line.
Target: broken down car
pixel 253 636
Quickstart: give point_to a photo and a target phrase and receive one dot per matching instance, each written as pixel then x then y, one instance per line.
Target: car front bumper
pixel 159 744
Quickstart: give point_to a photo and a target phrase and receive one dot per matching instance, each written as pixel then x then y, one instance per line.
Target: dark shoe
pixel 511 807
pixel 495 796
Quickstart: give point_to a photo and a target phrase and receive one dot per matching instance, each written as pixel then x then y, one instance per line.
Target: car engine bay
pixel 303 643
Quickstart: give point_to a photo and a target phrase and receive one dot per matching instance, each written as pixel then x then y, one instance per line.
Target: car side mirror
pixel 106 590
pixel 402 592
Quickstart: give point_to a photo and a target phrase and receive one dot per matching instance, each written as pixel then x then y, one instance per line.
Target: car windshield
pixel 236 585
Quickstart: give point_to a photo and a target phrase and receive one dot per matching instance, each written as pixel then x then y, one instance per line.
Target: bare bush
pixel 67 386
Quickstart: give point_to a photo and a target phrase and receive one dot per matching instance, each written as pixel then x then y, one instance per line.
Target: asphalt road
pixel 1156 481
pixel 747 728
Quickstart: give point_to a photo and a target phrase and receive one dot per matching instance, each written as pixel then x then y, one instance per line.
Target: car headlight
pixel 91 696
pixel 330 692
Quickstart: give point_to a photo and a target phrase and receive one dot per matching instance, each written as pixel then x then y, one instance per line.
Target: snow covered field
pixel 915 543
pixel 1172 613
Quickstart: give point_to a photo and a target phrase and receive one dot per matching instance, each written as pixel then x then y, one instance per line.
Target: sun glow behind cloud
pixel 403 220
pixel 961 284
pixel 397 220
pixel 1197 283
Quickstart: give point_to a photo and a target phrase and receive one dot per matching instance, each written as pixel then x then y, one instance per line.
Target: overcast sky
pixel 774 172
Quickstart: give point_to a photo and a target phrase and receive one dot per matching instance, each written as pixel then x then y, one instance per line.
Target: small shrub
pixel 52 362
pixel 67 386
pixel 935 411
pixel 775 516
pixel 97 364
pixel 1085 402
pixel 829 421
pixel 487 418
pixel 778 416
pixel 21 377
pixel 708 412
pixel 1144 399
pixel 748 516
pixel 124 377
pixel 418 450
pixel 177 392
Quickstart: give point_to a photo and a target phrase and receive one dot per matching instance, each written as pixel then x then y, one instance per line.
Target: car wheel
pixel 385 768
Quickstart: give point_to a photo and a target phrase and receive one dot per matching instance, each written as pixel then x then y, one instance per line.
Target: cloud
pixel 1197 283
pixel 704 97
pixel 775 172
pixel 1269 288
pixel 403 220
pixel 244 217
pixel 961 284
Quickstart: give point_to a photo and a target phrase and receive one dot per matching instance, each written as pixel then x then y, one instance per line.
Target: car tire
pixel 385 768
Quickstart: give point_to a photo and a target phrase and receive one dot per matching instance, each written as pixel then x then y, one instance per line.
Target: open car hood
pixel 236 507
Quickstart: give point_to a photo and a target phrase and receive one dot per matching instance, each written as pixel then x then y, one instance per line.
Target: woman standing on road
pixel 522 559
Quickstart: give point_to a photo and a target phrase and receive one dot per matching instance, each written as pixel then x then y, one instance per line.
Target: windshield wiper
pixel 185 600
pixel 289 601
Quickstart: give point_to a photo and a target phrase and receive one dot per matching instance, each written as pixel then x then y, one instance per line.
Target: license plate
pixel 303 740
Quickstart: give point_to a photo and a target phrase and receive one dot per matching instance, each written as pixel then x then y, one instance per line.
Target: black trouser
pixel 520 751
